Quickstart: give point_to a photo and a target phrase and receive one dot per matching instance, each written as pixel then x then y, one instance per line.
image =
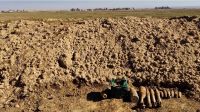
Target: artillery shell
pixel 158 97
pixel 133 95
pixel 176 93
pixel 148 99
pixel 172 93
pixel 179 94
pixel 161 94
pixel 142 91
pixel 168 93
pixel 165 93
pixel 153 99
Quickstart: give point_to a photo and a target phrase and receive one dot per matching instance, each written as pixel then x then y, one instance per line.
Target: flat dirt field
pixel 53 63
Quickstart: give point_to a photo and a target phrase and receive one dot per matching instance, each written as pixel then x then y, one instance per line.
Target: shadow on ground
pixel 94 96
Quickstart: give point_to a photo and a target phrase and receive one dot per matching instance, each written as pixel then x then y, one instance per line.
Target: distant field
pixel 66 14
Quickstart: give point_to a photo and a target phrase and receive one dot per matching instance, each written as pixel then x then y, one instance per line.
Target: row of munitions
pixel 152 97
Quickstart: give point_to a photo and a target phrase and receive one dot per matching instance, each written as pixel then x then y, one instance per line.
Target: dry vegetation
pixel 65 15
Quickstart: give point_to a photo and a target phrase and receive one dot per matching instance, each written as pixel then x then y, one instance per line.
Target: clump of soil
pixel 38 55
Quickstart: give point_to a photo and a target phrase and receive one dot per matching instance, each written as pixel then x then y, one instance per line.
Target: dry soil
pixel 52 66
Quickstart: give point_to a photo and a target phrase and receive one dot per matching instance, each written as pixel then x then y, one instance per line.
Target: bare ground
pixel 52 66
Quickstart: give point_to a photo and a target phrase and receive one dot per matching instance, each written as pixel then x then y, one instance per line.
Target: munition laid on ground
pixel 158 97
pixel 168 93
pixel 175 93
pixel 179 94
pixel 134 96
pixel 142 93
pixel 165 93
pixel 172 93
pixel 149 104
pixel 161 94
pixel 152 97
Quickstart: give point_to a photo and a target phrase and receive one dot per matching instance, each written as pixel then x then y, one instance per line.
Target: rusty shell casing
pixel 168 93
pixel 158 98
pixel 153 99
pixel 149 104
pixel 133 95
pixel 165 93
pixel 179 94
pixel 176 93
pixel 172 93
pixel 161 94
pixel 142 91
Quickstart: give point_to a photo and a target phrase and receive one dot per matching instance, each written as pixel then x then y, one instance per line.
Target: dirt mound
pixel 152 52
